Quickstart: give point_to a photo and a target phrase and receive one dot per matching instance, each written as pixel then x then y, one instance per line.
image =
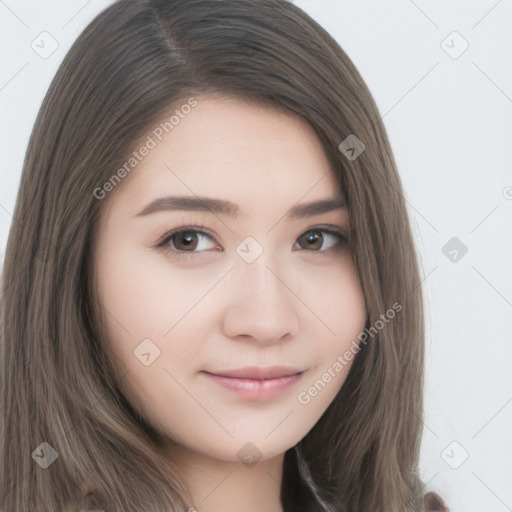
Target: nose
pixel 261 303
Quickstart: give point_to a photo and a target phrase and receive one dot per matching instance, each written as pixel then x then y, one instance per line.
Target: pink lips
pixel 257 383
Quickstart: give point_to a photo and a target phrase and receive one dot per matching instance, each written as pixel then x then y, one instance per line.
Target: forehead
pixel 226 147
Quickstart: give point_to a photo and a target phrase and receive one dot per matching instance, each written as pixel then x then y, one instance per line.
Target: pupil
pixel 313 237
pixel 187 238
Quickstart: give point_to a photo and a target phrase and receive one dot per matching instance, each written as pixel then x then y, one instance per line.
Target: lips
pixel 256 383
pixel 258 372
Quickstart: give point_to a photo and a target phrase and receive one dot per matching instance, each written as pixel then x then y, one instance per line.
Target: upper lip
pixel 258 372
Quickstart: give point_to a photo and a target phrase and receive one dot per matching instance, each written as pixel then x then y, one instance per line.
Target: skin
pixel 296 304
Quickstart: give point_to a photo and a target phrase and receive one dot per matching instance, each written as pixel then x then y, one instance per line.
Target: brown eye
pixel 187 241
pixel 314 240
pixel 184 240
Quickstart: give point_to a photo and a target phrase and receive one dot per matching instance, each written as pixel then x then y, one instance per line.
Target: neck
pixel 227 486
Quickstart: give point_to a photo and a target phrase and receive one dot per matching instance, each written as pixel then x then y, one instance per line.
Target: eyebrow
pixel 230 209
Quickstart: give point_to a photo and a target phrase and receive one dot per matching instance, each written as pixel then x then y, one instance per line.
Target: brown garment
pixel 432 502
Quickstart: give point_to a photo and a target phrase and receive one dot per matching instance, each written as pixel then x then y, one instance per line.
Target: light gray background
pixel 449 118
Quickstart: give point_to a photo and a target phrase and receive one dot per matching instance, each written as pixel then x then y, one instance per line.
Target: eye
pixel 186 241
pixel 335 240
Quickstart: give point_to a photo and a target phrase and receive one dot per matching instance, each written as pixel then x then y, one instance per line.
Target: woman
pixel 278 365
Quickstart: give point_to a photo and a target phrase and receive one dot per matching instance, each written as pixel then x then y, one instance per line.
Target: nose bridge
pixel 252 266
pixel 261 305
pixel 258 284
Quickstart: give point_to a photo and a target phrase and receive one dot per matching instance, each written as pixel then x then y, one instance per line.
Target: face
pixel 268 296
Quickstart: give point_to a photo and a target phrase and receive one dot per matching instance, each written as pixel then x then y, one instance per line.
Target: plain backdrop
pixel 441 75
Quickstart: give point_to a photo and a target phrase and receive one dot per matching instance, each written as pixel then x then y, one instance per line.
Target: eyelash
pixel 164 243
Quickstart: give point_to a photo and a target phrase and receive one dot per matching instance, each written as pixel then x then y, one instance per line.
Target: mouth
pixel 256 383
pixel 258 372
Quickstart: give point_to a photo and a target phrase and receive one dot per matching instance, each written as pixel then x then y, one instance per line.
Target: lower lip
pixel 252 389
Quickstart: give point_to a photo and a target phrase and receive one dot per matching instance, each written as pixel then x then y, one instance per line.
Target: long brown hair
pixel 137 60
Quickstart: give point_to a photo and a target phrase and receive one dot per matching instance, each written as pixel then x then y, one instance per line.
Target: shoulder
pixel 432 502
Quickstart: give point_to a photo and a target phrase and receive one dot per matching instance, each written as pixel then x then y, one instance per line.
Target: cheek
pixel 341 310
pixel 147 309
pixel 143 293
pixel 336 298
